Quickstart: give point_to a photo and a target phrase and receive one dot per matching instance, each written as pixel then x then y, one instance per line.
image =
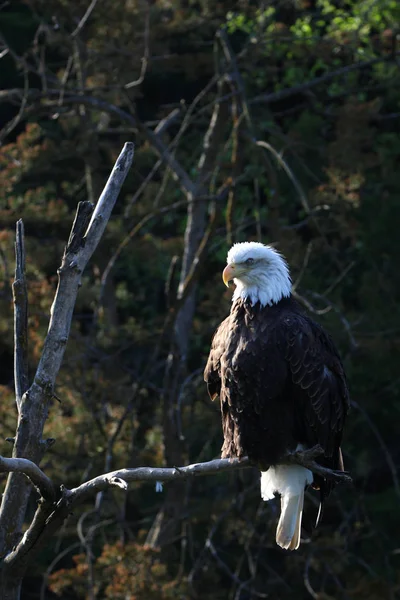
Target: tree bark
pixel 10 587
pixel 34 405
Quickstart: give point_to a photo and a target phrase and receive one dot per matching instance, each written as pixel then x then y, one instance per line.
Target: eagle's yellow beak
pixel 228 274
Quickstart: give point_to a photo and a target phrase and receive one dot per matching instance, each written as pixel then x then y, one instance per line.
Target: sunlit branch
pixel 20 298
pixel 28 468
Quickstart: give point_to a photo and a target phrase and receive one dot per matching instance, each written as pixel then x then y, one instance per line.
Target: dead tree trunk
pixel 34 402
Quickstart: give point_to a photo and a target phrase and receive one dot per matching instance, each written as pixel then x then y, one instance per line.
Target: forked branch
pixel 121 477
pixel 305 458
pixel 42 483
pixel 33 403
pixel 51 513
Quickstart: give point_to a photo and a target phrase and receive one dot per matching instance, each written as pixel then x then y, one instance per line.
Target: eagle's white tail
pixel 290 482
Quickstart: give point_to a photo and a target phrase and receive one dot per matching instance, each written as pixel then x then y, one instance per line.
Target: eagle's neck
pixel 268 289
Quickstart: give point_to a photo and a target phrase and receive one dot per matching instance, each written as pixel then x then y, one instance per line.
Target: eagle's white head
pixel 259 272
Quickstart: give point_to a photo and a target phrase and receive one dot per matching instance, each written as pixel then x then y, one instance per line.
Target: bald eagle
pixel 280 382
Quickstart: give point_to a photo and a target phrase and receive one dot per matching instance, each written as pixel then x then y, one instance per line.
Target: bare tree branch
pixel 343 319
pixel 154 474
pixel 306 458
pixel 36 400
pixel 41 482
pixel 20 297
pixel 146 52
pixel 242 584
pixel 50 515
pixel 180 316
pixel 303 87
pixel 303 266
pixel 53 563
pixel 288 171
pixel 154 140
pixel 74 262
pixel 165 123
pixel 339 278
pixel 121 477
pixel 389 458
pixel 309 306
pixel 85 17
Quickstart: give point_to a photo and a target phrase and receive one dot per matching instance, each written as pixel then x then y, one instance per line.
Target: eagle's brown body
pixel 280 382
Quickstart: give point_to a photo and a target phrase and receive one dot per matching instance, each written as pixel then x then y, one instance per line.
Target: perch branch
pixel 50 516
pixel 306 458
pixel 102 482
pixel 42 483
pixel 20 298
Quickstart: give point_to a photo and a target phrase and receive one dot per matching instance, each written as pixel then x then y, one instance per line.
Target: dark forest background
pixel 197 86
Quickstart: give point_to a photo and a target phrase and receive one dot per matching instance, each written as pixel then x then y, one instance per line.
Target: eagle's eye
pixel 249 261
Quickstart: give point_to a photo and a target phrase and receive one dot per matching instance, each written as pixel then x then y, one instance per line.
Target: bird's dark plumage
pixel 281 383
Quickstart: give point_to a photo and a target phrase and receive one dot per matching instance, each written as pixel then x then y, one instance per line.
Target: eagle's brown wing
pixel 282 383
pixel 212 372
pixel 320 388
pixel 318 380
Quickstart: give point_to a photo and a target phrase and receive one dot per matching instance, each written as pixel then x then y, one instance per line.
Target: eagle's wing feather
pixel 317 371
pixel 246 373
pixel 212 371
pixel 280 381
pixel 323 402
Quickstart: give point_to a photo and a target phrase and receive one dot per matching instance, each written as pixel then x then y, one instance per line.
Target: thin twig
pixel 20 297
pixel 165 123
pixel 344 320
pixel 85 17
pixel 309 306
pixel 179 173
pixel 24 99
pixel 388 456
pixel 288 171
pixel 303 267
pixel 339 278
pixel 53 563
pixel 146 53
pixel 303 87
pixel 307 583
pixel 244 585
